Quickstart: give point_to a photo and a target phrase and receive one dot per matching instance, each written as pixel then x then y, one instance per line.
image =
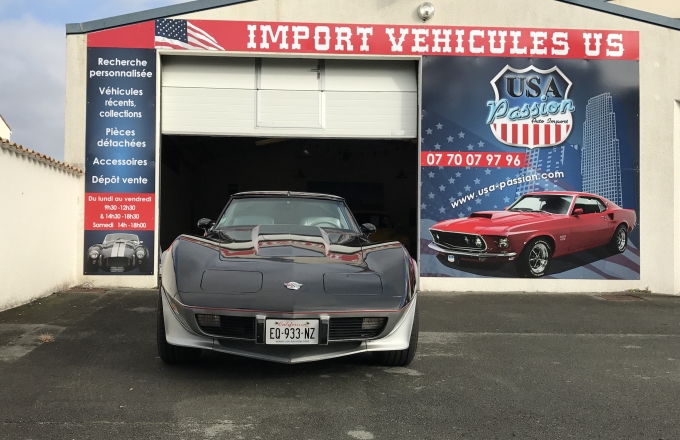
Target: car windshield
pixel 113 237
pixel 552 204
pixel 329 214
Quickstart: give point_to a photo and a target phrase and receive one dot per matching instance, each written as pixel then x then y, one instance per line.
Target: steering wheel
pixel 324 224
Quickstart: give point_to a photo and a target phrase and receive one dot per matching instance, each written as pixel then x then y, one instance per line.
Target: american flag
pixel 181 34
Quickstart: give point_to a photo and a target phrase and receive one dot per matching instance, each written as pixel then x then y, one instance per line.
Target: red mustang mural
pixel 538 227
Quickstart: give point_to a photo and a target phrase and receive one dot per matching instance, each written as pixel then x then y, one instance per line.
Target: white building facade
pixel 170 111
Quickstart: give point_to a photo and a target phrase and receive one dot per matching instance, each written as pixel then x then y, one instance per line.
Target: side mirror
pixel 205 223
pixel 368 228
pixel 577 211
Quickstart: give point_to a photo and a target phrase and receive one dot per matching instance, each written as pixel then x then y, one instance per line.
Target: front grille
pixel 118 261
pixel 355 328
pixel 456 240
pixel 229 326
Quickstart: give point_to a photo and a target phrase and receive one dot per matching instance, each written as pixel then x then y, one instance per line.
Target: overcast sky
pixel 32 52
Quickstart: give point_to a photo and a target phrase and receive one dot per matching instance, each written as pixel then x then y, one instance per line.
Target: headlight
pixel 478 242
pixel 140 253
pixel 503 242
pixel 94 253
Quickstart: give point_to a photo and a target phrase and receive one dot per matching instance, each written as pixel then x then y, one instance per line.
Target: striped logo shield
pixel 532 107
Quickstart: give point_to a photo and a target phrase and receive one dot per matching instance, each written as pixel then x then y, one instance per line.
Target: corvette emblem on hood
pixel 293 285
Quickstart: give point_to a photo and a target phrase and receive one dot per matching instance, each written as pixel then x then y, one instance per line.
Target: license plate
pixel 292 331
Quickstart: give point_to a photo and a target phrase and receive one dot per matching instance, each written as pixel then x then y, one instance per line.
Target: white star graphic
pixel 467 168
pixel 477 181
pixel 460 194
pixel 487 171
pixel 437 147
pixel 452 199
pixel 461 215
pixel 442 210
pixel 461 135
pixel 470 147
pixel 450 138
pixel 431 195
pixel 487 195
pixel 469 208
pixel 422 140
pixel 481 144
pixel 441 168
pixel 495 206
pixel 452 180
pixel 431 174
pixel 428 131
pixel 442 187
pixel 466 187
pixel 478 201
pixel 506 199
pixel 423 206
pixel 458 174
pixel 439 126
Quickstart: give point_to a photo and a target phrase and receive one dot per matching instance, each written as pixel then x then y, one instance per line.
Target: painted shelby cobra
pixel 287 277
pixel 118 253
pixel 538 227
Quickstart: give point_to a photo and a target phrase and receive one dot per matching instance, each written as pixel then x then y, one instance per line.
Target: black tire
pixel 619 241
pixel 401 358
pixel 172 354
pixel 535 259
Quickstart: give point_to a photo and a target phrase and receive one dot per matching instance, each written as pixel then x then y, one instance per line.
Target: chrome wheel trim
pixel 538 258
pixel 621 239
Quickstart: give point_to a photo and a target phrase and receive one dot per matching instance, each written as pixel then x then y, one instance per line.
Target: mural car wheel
pixel 619 241
pixel 535 258
pixel 171 354
pixel 401 358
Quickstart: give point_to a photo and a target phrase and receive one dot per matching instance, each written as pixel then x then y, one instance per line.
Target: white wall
pixel 5 132
pixel 39 206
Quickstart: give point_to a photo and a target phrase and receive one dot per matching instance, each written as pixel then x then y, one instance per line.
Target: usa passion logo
pixel 532 107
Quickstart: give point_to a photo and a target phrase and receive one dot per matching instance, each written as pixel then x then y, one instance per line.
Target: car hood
pixel 492 222
pixel 247 268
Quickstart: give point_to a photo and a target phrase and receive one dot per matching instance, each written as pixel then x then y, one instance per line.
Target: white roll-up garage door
pixel 288 97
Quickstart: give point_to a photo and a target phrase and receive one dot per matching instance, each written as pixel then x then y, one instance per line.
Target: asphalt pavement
pixel 489 366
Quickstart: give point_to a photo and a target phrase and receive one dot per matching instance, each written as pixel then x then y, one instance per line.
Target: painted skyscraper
pixel 600 156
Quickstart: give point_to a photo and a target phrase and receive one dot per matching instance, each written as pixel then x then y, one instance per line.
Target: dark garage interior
pixel 378 178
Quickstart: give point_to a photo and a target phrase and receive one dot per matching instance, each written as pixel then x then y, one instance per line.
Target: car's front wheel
pixel 401 358
pixel 619 241
pixel 535 259
pixel 171 354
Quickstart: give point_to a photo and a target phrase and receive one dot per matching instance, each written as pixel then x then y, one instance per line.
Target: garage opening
pixel 378 178
pixel 337 126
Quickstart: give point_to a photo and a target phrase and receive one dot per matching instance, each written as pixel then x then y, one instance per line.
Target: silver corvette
pixel 287 277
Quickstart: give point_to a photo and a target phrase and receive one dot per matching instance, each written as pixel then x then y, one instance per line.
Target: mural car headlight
pixel 94 254
pixel 140 253
pixel 478 242
pixel 503 242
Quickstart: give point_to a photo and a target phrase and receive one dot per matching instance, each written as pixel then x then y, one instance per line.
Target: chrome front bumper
pixel 442 250
pixel 177 332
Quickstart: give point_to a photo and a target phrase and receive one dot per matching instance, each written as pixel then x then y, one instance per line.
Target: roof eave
pixel 622 11
pixel 151 14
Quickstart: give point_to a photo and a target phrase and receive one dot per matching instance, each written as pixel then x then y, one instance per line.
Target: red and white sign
pixel 371 39
pixel 465 159
pixel 119 212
